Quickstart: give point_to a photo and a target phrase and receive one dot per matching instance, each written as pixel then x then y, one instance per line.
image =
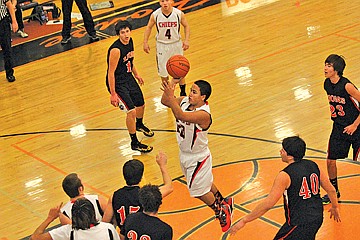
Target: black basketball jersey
pixel 302 201
pixel 125 201
pixel 148 227
pixel 123 71
pixel 344 108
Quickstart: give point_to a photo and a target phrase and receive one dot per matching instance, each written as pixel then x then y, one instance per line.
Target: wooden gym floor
pixel 264 59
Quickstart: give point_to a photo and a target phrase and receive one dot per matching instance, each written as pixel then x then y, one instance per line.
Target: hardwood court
pixel 266 68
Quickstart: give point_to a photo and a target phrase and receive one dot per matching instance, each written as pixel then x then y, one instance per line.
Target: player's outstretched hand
pixel 161 158
pixel 54 212
pixel 334 212
pixel 237 226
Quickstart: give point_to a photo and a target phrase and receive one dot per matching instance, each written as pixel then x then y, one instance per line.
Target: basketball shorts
pixel 197 169
pixel 339 143
pixel 164 52
pixel 130 94
pixel 298 232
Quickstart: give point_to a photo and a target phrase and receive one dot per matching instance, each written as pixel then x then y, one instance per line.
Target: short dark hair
pixel 83 214
pixel 205 88
pixel 122 25
pixel 71 184
pixel 150 198
pixel 294 146
pixel 133 171
pixel 337 62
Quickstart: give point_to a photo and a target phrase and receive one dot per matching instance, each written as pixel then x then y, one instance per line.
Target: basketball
pixel 177 66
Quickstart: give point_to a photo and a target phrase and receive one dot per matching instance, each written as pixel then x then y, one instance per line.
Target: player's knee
pixel 131 113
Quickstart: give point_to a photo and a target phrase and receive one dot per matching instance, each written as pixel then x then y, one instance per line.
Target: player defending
pixel 168 39
pixel 126 199
pixel 344 100
pixel 121 84
pixel 146 224
pixel 299 183
pixel 193 121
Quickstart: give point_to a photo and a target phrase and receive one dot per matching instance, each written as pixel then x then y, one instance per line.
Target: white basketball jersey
pixel 190 136
pixel 94 199
pixel 168 27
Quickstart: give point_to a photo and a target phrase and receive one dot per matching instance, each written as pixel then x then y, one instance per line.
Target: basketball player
pixel 84 225
pixel 344 100
pixel 193 121
pixel 299 183
pixel 121 84
pixel 74 188
pixel 168 38
pixel 146 224
pixel 126 199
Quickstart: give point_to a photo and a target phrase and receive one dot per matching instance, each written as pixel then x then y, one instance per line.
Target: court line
pixel 347 37
pixel 41 133
pixel 59 170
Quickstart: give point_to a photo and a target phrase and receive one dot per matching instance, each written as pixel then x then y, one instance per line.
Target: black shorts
pixel 339 143
pixel 299 232
pixel 129 92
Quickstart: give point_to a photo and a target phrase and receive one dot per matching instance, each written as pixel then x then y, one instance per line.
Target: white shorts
pixel 197 168
pixel 164 52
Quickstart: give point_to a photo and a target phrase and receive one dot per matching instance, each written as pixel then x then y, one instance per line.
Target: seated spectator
pixel 74 188
pixel 146 224
pixel 126 199
pixel 84 225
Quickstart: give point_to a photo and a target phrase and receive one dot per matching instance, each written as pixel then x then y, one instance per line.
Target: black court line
pixel 155 130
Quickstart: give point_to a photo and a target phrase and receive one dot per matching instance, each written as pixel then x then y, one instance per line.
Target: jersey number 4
pixel 305 190
pixel 122 213
pixel 168 34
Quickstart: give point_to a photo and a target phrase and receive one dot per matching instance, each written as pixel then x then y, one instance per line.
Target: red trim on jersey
pixel 287 209
pixel 356 158
pixel 355 102
pixel 288 233
pixel 195 136
pixel 126 106
pixel 197 169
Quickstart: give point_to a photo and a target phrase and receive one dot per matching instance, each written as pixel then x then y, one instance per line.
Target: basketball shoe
pixel 224 217
pixel 230 202
pixel 144 129
pixel 138 146
pixel 326 200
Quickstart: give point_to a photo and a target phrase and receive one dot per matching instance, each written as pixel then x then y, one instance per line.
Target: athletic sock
pixel 216 207
pixel 219 198
pixel 133 138
pixel 139 121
